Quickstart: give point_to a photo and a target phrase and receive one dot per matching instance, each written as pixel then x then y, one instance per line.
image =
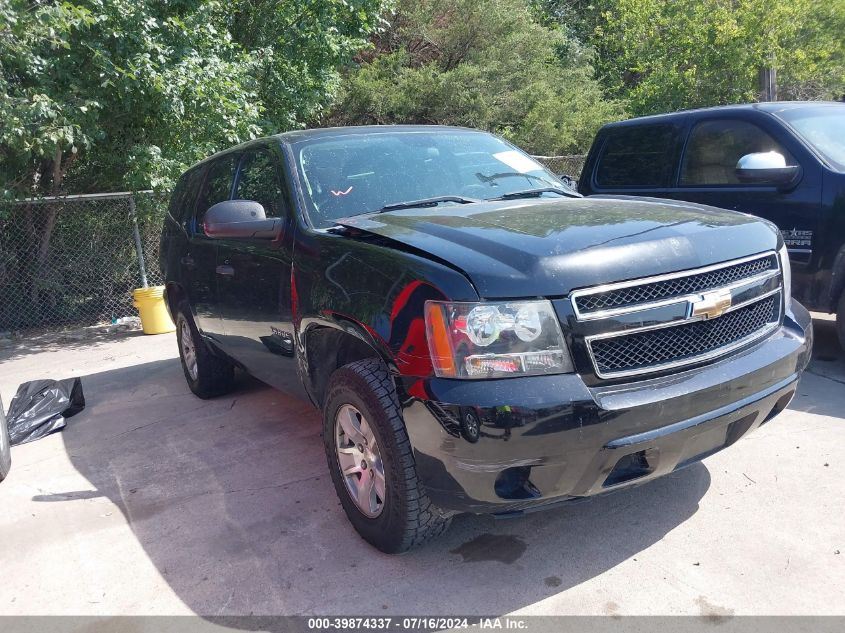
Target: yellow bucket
pixel 150 304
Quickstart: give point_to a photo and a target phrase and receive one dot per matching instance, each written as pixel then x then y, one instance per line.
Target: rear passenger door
pixel 708 175
pixel 200 260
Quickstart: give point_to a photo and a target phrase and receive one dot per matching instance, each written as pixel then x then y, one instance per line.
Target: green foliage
pixel 100 95
pixel 124 94
pixel 660 56
pixel 481 63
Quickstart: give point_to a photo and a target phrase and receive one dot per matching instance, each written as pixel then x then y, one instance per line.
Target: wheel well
pixel 173 294
pixel 328 349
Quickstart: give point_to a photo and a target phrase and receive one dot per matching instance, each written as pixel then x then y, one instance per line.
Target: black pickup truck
pixel 784 162
pixel 479 337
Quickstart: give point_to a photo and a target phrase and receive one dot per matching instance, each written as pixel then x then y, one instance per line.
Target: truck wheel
pixel 371 461
pixel 207 375
pixel 840 321
pixel 5 447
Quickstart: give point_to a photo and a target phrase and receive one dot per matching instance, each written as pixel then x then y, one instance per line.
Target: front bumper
pixel 511 445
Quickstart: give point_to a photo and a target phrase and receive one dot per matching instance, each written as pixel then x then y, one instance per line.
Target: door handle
pixel 226 271
pixel 188 262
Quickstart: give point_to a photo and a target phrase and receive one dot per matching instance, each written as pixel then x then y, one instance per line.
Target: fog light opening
pixel 514 483
pixel 629 467
pixel 780 405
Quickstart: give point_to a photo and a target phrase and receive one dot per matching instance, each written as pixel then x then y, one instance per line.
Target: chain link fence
pixel 74 260
pixel 567 166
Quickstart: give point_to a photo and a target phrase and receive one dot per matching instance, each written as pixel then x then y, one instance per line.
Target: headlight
pixel 493 340
pixel 787 273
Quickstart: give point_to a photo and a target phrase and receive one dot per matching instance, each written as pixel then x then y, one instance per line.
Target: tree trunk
pixel 43 231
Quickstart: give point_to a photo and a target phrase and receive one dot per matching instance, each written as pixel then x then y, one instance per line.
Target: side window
pixel 218 185
pixel 177 206
pixel 185 195
pixel 714 147
pixel 641 156
pixel 258 180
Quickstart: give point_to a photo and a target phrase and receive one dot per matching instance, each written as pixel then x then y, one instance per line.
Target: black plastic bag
pixel 41 406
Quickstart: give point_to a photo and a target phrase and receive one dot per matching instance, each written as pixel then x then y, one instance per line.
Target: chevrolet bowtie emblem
pixel 711 304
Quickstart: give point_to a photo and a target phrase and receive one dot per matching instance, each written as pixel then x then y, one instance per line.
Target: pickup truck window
pixel 258 181
pixel 639 156
pixel 355 174
pixel 714 147
pixel 823 127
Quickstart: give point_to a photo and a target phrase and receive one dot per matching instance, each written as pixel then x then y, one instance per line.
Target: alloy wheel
pixel 359 459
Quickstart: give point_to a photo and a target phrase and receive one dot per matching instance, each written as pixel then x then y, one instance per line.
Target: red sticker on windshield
pixel 341 193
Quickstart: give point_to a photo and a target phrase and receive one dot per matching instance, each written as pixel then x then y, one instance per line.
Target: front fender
pixel 373 291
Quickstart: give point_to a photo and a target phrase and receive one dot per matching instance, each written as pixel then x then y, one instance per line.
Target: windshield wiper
pixel 510 174
pixel 426 202
pixel 532 193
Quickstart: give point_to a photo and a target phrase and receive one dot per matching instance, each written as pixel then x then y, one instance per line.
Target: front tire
pixel 207 375
pixel 840 321
pixel 371 461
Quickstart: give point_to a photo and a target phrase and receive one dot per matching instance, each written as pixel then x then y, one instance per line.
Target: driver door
pixel 708 175
pixel 254 280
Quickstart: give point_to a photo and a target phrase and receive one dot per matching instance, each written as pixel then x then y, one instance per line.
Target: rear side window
pixel 184 195
pixel 218 185
pixel 641 156
pixel 177 199
pixel 259 181
pixel 715 147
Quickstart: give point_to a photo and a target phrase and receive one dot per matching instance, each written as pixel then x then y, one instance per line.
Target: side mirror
pixel 766 168
pixel 569 181
pixel 239 218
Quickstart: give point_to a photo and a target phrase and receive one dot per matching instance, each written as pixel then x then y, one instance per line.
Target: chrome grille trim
pixel 724 350
pixel 680 298
pixel 661 326
pixel 648 354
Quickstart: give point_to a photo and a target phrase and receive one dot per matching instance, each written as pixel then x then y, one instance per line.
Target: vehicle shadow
pixel 231 500
pixel 84 338
pixel 825 375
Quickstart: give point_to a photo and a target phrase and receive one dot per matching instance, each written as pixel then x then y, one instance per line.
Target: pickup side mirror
pixel 239 218
pixel 766 168
pixel 569 181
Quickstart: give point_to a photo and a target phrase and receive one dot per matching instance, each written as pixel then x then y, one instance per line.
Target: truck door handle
pixel 226 271
pixel 188 262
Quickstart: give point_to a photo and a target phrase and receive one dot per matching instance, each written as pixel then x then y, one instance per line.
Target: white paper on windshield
pixel 517 161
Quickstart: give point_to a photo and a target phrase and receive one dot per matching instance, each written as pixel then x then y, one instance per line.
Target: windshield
pixel 361 173
pixel 823 127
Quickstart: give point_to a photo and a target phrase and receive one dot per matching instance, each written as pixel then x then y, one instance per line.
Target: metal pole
pixel 139 250
pixel 769 80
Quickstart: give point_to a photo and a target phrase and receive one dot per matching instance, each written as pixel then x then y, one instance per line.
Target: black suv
pixel 479 337
pixel 781 161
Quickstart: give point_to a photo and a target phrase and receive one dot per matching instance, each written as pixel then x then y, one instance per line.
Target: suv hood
pixel 548 247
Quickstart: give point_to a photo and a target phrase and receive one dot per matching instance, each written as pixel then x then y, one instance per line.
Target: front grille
pixel 675 286
pixel 651 349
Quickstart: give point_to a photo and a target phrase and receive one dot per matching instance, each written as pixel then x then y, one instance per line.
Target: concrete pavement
pixel 155 502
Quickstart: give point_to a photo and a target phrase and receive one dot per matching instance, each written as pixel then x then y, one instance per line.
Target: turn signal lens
pixel 494 340
pixel 438 341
